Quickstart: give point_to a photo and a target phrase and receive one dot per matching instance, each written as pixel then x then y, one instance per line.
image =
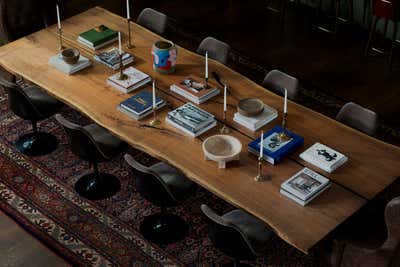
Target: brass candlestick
pixel 260 177
pixel 129 44
pixel 155 121
pixel 122 75
pixel 283 136
pixel 224 129
pixel 206 85
pixel 61 47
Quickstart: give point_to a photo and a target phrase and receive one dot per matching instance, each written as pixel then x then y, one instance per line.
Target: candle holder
pixel 260 177
pixel 61 47
pixel 122 75
pixel 129 44
pixel 206 85
pixel 224 129
pixel 155 121
pixel 283 136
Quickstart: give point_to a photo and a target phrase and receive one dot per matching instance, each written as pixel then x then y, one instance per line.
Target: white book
pixel 135 80
pixel 305 184
pixel 192 98
pixel 191 116
pixel 192 134
pixel 255 123
pixel 299 201
pixel 58 62
pixel 323 157
pixel 90 45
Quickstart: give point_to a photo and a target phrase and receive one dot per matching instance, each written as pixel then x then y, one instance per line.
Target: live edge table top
pixel 372 165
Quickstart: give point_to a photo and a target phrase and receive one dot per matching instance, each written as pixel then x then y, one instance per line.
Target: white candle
pixel 206 72
pixel 285 104
pixel 154 94
pixel 128 13
pixel 119 43
pixel 225 89
pixel 262 144
pixel 58 17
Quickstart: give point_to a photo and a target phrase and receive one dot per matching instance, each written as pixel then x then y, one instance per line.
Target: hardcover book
pixel 195 90
pixel 255 123
pixel 58 62
pixel 323 157
pixel 207 127
pixel 274 150
pixel 141 103
pixel 191 117
pixel 111 58
pixel 98 37
pixel 304 186
pixel 135 80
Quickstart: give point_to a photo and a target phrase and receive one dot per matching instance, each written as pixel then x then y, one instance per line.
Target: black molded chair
pixel 164 186
pixel 278 81
pixel 31 103
pixel 238 234
pixel 94 144
pixel 153 20
pixel 358 117
pixel 216 49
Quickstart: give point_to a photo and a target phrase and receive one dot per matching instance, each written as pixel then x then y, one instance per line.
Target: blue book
pixel 274 150
pixel 140 103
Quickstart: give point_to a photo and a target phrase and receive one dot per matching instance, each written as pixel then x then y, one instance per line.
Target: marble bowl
pixel 250 107
pixel 70 55
pixel 222 149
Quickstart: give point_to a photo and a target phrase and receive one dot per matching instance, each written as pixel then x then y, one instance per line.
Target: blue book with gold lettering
pixel 274 150
pixel 141 103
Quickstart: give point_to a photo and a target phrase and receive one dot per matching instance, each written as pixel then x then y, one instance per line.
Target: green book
pixel 98 35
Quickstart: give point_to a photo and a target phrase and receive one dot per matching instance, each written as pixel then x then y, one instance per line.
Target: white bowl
pixel 222 149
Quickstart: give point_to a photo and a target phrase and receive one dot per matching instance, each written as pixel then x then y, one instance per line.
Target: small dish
pixel 70 55
pixel 222 149
pixel 250 107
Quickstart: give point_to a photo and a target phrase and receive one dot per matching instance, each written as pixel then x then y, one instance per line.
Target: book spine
pixel 182 124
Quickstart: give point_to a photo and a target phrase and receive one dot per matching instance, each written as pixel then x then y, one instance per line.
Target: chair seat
pixel 256 233
pixel 107 143
pixel 44 103
pixel 178 184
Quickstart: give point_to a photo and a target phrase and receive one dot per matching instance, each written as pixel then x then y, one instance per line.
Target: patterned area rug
pixel 38 194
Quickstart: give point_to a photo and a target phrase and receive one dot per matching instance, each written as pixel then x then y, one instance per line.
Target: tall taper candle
pixel 206 72
pixel 262 144
pixel 225 89
pixel 58 17
pixel 128 12
pixel 119 43
pixel 285 104
pixel 154 95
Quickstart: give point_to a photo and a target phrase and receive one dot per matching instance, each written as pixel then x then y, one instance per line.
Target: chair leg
pixel 371 34
pixel 392 48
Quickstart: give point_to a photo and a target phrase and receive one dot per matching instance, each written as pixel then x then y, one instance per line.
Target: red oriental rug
pixel 38 194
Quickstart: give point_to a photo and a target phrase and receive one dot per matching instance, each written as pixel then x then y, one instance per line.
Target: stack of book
pixel 98 37
pixel 192 120
pixel 256 122
pixel 323 157
pixel 273 149
pixel 135 79
pixel 58 63
pixel 111 58
pixel 304 186
pixel 140 105
pixel 194 90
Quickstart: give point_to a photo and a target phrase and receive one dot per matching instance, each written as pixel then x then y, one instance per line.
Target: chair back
pixel 389 9
pixel 153 20
pixel 278 81
pixel 358 117
pixel 150 185
pixel 227 237
pixel 18 101
pixel 216 49
pixel 392 218
pixel 81 142
pixel 21 17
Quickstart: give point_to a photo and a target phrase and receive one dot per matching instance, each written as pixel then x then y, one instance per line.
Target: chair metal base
pixel 37 144
pixel 97 186
pixel 163 228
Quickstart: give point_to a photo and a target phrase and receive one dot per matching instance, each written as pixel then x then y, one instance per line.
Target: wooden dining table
pixel 372 166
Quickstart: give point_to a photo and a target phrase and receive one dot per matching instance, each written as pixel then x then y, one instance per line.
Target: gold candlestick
pixel 61 47
pixel 122 75
pixel 260 177
pixel 224 129
pixel 155 121
pixel 206 85
pixel 283 136
pixel 129 44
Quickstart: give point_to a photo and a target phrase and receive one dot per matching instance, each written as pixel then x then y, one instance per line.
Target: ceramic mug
pixel 164 56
